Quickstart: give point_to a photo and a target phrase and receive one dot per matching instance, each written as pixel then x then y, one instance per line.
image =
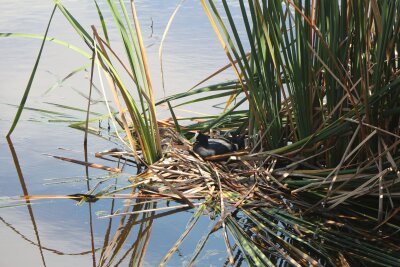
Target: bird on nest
pixel 206 146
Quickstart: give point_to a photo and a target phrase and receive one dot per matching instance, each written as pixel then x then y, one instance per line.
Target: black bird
pixel 206 146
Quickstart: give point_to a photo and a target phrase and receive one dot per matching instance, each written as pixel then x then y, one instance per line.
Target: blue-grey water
pixel 57 232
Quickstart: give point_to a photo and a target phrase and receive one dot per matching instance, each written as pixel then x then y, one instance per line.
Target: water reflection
pixel 126 238
pixel 26 194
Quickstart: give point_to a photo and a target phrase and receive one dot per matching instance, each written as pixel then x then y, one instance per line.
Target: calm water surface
pixel 57 232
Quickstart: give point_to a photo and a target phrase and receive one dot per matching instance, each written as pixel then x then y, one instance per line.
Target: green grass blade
pixel 50 39
pixel 103 23
pixel 28 87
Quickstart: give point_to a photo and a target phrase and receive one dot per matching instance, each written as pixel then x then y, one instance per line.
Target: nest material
pixel 182 175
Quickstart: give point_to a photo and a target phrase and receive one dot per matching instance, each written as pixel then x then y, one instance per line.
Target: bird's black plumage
pixel 206 146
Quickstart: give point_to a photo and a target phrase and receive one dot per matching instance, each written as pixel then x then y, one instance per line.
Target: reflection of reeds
pixel 126 224
pixel 25 191
pixel 189 227
pixel 55 251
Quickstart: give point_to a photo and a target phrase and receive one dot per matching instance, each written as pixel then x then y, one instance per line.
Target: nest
pixel 183 176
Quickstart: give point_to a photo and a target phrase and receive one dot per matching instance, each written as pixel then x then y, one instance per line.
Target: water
pixel 57 232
